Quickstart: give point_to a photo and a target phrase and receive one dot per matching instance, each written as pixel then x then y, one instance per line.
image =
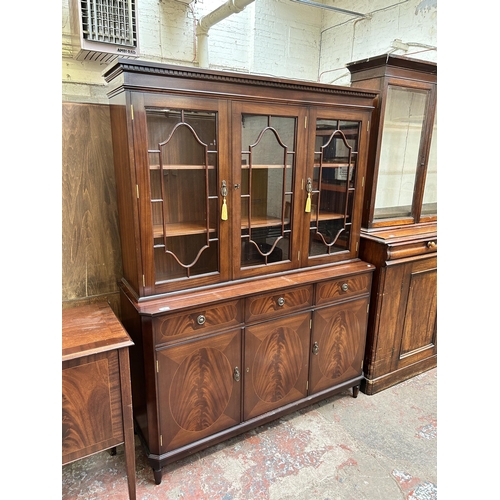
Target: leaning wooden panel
pixel 91 257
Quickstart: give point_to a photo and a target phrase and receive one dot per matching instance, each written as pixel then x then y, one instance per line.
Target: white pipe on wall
pixel 206 22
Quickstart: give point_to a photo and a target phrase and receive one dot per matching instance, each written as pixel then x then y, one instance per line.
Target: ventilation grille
pixel 106 29
pixel 109 21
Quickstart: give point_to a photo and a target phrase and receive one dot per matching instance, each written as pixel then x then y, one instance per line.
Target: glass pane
pixel 399 151
pixel 268 160
pixel 184 192
pixel 429 206
pixel 332 186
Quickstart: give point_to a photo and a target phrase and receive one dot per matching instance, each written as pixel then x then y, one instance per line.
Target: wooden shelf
pixel 262 222
pixel 246 167
pixel 328 216
pixel 181 167
pixel 334 165
pixel 181 229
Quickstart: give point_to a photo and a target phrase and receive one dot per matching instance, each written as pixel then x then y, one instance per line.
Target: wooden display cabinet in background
pixel 399 226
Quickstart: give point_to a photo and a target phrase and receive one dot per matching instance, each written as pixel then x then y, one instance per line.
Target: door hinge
pixel 298 255
pixel 363 182
pixel 157 366
pixel 143 280
pixel 132 112
pixel 161 439
pixel 305 122
pixel 357 244
pixel 137 190
pixel 307 385
pixel 362 364
pixel 368 126
pixel 310 324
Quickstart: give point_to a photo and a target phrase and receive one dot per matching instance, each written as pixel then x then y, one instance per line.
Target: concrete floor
pixel 380 447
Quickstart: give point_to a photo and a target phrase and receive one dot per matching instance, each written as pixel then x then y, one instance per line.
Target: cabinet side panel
pixel 132 323
pixel 383 333
pixel 125 187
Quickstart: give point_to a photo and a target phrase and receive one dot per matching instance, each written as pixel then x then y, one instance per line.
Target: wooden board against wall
pixel 91 255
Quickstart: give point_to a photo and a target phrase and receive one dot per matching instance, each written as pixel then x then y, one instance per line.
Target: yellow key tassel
pixel 224 210
pixel 308 203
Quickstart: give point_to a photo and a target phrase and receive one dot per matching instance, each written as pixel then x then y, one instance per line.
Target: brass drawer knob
pixel 201 319
pixel 345 287
pixel 432 245
pixel 281 301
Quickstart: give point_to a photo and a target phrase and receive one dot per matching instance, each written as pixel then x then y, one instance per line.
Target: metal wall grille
pixel 109 21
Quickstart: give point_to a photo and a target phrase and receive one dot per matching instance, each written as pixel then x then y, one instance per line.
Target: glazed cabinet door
pixel 182 177
pixel 267 159
pixel 406 184
pixel 338 343
pixel 199 388
pixel 334 184
pixel 276 363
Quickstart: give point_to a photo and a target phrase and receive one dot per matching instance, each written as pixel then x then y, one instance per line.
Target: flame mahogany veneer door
pixel 199 387
pixel 338 343
pixel 276 363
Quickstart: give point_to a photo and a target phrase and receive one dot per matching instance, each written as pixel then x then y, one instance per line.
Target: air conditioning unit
pixel 104 29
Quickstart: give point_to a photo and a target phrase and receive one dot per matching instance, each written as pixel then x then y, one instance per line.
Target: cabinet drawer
pixel 412 249
pixel 199 320
pixel 343 288
pixel 275 304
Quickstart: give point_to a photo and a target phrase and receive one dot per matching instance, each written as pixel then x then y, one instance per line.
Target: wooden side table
pixel 96 387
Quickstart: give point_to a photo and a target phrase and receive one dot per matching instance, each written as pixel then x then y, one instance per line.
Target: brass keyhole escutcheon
pixel 236 374
pixel 315 348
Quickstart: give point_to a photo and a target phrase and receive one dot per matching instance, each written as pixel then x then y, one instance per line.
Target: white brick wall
pixel 272 37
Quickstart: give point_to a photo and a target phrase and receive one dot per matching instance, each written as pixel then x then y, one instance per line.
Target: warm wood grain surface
pixel 91 329
pixel 91 256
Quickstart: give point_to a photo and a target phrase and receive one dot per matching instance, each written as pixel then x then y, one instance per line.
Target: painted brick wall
pixel 272 37
pixel 345 39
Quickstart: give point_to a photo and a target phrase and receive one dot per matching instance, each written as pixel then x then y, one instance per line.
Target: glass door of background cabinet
pixel 187 184
pixel 404 153
pixel 330 188
pixel 267 148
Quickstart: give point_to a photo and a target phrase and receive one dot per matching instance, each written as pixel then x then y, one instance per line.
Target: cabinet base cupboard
pixel 220 363
pixel 402 327
pixel 239 202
